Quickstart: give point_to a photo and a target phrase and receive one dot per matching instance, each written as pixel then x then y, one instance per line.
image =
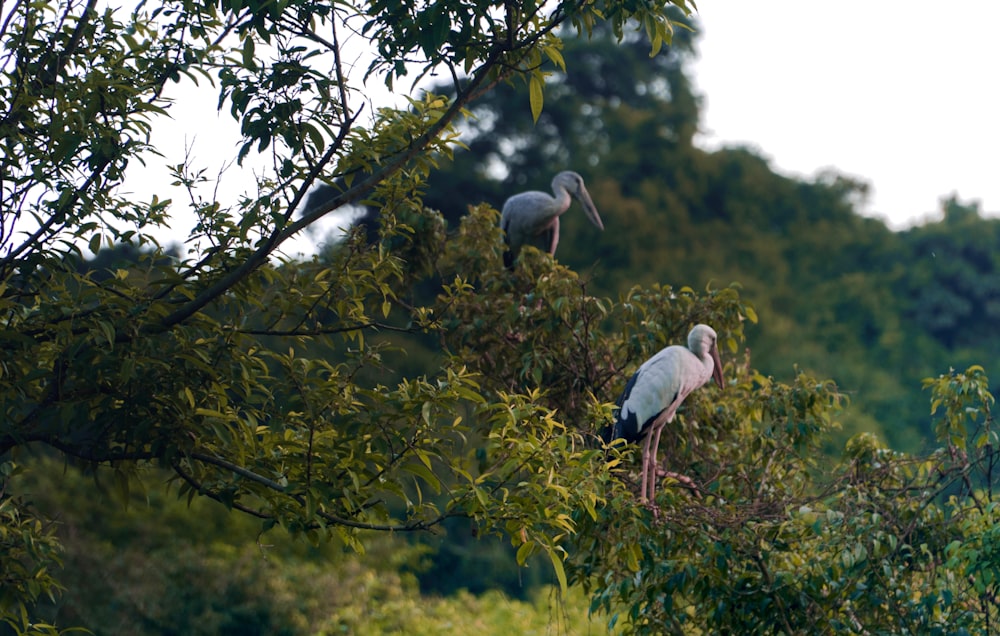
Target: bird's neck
pixel 563 199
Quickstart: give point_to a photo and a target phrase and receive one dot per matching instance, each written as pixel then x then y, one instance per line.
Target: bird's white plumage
pixel 667 377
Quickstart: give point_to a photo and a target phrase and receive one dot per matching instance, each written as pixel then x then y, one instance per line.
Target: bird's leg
pixel 649 469
pixel 652 468
pixel 645 467
pixel 555 236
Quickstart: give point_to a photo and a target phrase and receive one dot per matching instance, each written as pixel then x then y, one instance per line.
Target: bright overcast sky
pixel 904 94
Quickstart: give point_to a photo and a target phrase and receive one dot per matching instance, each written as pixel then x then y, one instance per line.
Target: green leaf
pixel 632 558
pixel 555 55
pixel 108 331
pixel 536 95
pixel 657 44
pixel 249 54
pixel 525 551
pixel 558 567
pixel 422 471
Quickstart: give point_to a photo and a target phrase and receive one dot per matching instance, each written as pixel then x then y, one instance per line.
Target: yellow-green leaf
pixel 555 55
pixel 632 559
pixel 657 45
pixel 535 96
pixel 524 552
pixel 560 571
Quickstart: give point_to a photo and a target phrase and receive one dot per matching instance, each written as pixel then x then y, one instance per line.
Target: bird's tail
pixel 608 434
pixel 616 428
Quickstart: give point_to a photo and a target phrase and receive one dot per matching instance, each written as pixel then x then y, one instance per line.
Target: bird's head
pixel 703 341
pixel 573 183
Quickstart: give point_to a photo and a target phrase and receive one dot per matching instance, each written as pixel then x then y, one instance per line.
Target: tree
pixel 952 288
pixel 270 385
pixel 200 365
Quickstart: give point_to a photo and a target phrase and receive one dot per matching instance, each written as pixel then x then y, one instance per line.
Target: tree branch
pixel 275 486
pixel 391 166
pixel 326 331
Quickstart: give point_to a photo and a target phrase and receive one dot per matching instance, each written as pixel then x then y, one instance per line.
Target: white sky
pixel 904 94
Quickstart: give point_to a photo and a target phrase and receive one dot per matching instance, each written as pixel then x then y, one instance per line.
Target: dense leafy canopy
pixel 404 380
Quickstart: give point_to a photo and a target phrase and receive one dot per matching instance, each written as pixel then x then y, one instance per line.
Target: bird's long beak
pixel 717 369
pixel 588 206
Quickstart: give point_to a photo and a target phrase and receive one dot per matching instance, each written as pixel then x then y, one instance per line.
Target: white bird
pixel 532 218
pixel 657 389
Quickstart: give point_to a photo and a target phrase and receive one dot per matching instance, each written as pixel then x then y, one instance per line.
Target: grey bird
pixel 532 218
pixel 656 390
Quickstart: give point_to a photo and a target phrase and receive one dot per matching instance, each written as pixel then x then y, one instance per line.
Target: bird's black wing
pixel 508 259
pixel 508 255
pixel 627 428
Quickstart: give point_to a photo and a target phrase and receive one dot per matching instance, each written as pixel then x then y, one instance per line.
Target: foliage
pixel 954 284
pixel 29 550
pixel 777 542
pixel 163 566
pixel 211 366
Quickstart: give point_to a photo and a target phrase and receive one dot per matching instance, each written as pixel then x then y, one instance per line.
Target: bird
pixel 532 218
pixel 654 392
